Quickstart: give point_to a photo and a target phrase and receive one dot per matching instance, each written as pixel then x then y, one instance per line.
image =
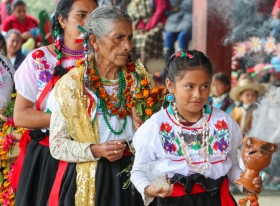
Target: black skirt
pixel 209 198
pixel 109 190
pixel 38 173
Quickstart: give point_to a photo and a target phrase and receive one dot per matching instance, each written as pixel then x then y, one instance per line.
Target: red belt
pixel 45 142
pixel 226 199
pixel 179 190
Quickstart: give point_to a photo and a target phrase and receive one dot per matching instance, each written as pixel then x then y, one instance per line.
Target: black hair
pixel 222 78
pixel 3 48
pixel 18 3
pixel 178 64
pixel 63 8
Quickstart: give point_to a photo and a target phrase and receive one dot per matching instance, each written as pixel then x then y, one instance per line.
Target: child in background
pixel 220 90
pixel 193 144
pixel 247 93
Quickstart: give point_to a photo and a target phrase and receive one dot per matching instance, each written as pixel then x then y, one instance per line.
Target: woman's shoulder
pixel 218 114
pixel 41 52
pixel 39 60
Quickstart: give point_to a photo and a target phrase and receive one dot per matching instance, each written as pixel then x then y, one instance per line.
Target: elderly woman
pixel 93 118
pixel 13 44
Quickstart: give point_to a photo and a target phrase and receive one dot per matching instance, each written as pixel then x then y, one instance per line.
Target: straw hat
pixel 244 85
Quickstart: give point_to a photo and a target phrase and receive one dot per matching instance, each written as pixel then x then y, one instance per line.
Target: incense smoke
pixel 266 118
pixel 243 18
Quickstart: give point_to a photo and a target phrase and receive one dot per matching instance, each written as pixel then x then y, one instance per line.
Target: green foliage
pixel 35 6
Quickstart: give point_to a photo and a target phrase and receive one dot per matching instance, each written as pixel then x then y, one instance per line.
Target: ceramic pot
pixel 256 156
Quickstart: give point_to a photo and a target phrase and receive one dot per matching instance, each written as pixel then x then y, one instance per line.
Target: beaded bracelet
pixel 146 192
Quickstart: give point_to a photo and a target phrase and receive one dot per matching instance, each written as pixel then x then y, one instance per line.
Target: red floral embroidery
pixel 216 146
pixel 174 148
pixel 38 54
pixel 165 127
pixel 221 125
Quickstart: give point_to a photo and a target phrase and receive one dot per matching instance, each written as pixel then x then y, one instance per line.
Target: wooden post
pixel 209 32
pixel 199 25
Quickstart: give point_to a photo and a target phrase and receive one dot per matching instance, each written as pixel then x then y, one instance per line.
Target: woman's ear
pixel 61 21
pixel 169 85
pixel 94 42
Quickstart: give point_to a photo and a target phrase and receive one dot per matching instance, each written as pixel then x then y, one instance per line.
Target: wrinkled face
pixel 219 88
pixel 248 97
pixel 114 47
pixel 20 12
pixel 13 43
pixel 191 91
pixel 78 15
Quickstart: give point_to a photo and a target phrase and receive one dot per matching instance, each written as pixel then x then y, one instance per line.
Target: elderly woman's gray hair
pixel 13 31
pixel 101 20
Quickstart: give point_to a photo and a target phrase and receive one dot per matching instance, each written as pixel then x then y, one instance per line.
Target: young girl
pixel 220 89
pixel 191 143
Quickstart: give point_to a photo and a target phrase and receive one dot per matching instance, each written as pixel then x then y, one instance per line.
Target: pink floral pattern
pixel 4 76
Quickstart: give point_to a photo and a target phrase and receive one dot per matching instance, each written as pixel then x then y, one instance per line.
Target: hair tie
pixel 183 54
pixel 85 49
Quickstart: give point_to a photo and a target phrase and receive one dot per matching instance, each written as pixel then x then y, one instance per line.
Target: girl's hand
pixel 154 191
pixel 257 182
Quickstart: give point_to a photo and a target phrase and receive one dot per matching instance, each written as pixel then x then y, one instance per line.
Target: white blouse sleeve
pixel 62 147
pixel 26 81
pixel 236 142
pixel 144 154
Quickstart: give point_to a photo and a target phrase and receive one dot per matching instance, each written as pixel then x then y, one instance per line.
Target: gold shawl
pixel 69 92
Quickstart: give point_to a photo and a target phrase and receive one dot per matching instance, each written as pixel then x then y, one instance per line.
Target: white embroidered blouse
pixel 35 72
pixel 157 140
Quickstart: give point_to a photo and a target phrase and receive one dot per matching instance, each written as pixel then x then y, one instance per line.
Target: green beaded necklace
pixel 121 102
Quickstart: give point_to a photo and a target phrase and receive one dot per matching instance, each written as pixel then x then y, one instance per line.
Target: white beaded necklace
pixel 205 142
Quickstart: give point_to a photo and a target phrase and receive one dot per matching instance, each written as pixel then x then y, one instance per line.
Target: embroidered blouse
pixel 36 70
pixel 158 140
pixel 62 147
pixel 6 82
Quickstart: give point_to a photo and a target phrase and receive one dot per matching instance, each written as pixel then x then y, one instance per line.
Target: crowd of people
pixel 97 129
